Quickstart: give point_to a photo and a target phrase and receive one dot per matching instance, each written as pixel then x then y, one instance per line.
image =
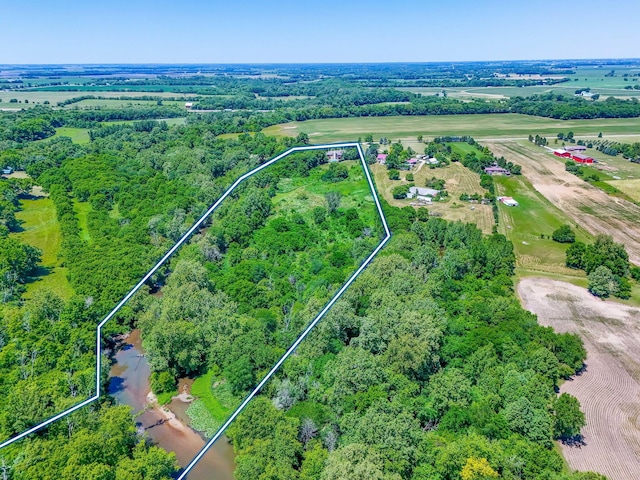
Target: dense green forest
pixel 143 188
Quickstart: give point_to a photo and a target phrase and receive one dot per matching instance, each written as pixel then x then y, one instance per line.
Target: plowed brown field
pixel 609 389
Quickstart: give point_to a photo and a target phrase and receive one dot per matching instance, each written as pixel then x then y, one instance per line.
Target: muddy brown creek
pixel 129 384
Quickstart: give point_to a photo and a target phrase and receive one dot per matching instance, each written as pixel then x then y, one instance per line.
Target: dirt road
pixel 585 204
pixel 609 389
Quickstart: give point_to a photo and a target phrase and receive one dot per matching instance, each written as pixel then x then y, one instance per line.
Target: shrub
pixel 564 234
pixel 400 191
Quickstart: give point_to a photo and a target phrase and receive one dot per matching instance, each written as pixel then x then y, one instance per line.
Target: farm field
pixel 481 127
pixel 53 97
pixel 123 103
pixel 609 388
pixel 458 180
pixel 584 204
pixel 41 230
pixel 525 224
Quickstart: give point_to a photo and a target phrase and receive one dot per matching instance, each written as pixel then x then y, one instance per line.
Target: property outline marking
pixel 173 249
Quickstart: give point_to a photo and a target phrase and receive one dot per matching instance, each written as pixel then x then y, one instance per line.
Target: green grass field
pixel 213 405
pixel 525 225
pixel 478 126
pixel 77 135
pixel 41 230
pixel 82 210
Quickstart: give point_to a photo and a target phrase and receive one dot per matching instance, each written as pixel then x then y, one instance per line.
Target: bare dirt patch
pixel 609 389
pixel 586 205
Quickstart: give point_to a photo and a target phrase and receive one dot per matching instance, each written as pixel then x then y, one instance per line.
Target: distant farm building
pixel 432 161
pixel 580 158
pixel 575 148
pixel 508 201
pixel 424 194
pixel 188 105
pixel 7 171
pixel 496 171
pixel 382 158
pixel 412 162
pixel 335 155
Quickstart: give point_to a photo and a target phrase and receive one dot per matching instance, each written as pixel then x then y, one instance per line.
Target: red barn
pixel 562 153
pixel 580 158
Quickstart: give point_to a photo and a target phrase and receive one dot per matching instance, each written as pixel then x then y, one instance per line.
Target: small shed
pixel 7 170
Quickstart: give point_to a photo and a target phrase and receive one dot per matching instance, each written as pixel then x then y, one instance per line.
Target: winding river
pixel 129 384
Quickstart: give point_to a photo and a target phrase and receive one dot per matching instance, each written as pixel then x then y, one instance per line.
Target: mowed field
pixel 609 388
pixel 530 225
pixel 41 229
pixel 630 188
pixel 494 126
pixel 458 180
pixel 585 205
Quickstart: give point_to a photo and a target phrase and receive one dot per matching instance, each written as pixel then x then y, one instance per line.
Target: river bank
pixel 166 426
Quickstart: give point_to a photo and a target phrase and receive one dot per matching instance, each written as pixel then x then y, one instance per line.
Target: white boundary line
pixel 173 249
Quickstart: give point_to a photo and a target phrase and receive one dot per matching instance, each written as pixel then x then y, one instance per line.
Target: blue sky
pixel 243 31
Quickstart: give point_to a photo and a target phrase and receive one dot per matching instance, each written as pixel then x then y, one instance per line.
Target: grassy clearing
pixel 41 230
pixel 479 126
pixel 214 403
pixel 77 135
pixel 303 194
pixel 82 210
pixel 525 225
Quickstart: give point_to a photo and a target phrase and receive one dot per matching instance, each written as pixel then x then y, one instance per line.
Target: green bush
pixel 564 234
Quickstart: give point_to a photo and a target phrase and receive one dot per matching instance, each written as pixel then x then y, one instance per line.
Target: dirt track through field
pixel 609 389
pixel 586 205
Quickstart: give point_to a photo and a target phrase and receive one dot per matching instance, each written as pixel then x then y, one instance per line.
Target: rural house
pixel 381 158
pixel 421 193
pixel 495 170
pixel 335 155
pixel 7 171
